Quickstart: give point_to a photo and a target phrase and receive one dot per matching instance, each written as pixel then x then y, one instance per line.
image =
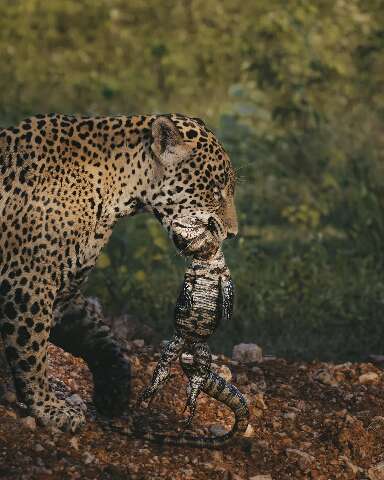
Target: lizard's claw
pixel 160 378
pixel 191 405
pixel 146 395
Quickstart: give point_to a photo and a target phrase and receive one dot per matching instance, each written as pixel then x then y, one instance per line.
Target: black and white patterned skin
pixel 206 299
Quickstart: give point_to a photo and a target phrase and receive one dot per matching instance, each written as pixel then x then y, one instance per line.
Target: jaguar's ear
pixel 168 145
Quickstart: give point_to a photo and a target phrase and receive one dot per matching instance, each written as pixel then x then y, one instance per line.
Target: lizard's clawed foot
pixel 191 404
pixel 160 378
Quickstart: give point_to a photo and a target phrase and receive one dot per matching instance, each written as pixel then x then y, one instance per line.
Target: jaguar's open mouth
pixel 201 239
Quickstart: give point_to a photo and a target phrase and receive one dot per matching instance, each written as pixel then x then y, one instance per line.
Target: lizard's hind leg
pixel 170 352
pixel 201 367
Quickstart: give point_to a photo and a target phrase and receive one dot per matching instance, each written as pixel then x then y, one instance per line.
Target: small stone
pixel 325 378
pixel 304 460
pixel 241 378
pixel 9 397
pixel 39 448
pixel 369 377
pixel 257 370
pixel 352 468
pixel 249 432
pixel 74 442
pixel 261 477
pixel 138 343
pixel 217 430
pixel 217 456
pixel 88 458
pixel 78 402
pixel 376 472
pixel 247 352
pixel 259 401
pixel 29 422
pixel 225 373
pixel 10 413
pixel 290 416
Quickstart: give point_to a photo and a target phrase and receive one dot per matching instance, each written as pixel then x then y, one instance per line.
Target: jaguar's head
pixel 194 195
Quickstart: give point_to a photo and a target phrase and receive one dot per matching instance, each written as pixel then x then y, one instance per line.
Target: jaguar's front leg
pixel 160 376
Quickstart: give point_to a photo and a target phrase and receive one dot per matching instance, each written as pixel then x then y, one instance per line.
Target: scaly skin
pixel 215 387
pixel 206 298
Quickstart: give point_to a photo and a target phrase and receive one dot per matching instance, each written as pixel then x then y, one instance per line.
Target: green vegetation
pixel 294 90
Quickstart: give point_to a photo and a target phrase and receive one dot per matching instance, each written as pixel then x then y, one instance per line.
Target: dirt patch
pixel 310 421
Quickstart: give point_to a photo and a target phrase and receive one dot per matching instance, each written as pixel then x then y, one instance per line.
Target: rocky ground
pixel 309 421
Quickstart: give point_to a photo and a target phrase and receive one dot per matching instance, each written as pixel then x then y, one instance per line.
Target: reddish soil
pixel 310 421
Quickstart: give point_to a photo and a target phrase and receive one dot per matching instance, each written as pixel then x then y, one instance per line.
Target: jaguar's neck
pixel 129 170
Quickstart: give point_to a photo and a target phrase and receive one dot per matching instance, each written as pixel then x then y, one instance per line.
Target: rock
pixel 241 378
pixel 290 416
pixel 249 432
pixel 247 352
pixel 350 467
pixel 261 477
pixel 77 401
pixel 29 422
pixel 9 397
pixel 74 442
pixel 369 377
pixel 217 456
pixel 217 430
pixel 138 343
pixel 377 425
pixel 257 370
pixel 88 458
pixel 325 378
pixel 259 401
pixel 225 373
pixel 304 460
pixel 10 413
pixel 39 448
pixel 376 472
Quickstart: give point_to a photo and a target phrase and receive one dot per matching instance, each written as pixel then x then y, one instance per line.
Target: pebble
pixel 247 352
pixel 249 432
pixel 217 430
pixel 88 458
pixel 10 413
pixel 29 422
pixel 77 401
pixel 352 468
pixel 303 459
pixel 376 472
pixel 259 401
pixel 257 370
pixel 74 442
pixel 39 448
pixel 369 377
pixel 241 378
pixel 9 397
pixel 325 378
pixel 290 416
pixel 217 456
pixel 225 373
pixel 261 477
pixel 138 343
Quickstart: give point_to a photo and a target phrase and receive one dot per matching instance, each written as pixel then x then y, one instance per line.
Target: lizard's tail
pixel 222 391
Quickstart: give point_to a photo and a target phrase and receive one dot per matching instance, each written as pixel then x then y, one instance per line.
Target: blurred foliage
pixel 295 92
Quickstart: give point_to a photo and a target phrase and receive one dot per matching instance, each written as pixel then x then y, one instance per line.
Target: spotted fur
pixel 64 182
